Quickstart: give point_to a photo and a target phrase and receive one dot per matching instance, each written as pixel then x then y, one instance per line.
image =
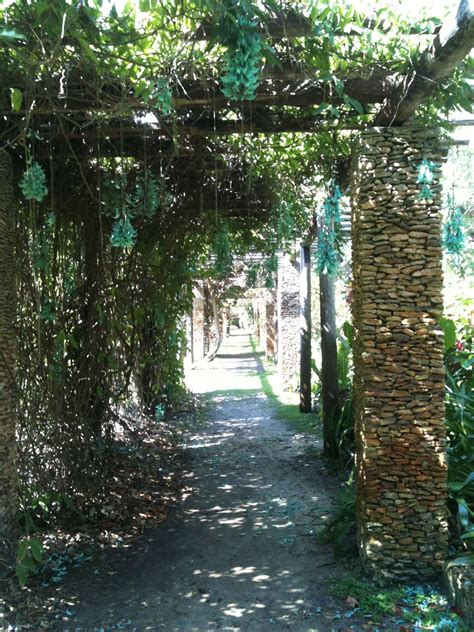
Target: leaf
pixel 463 513
pixel 356 104
pixel 36 549
pixel 462 560
pixel 16 97
pixel 348 330
pixel 21 573
pixel 11 36
pixel 22 549
pixel 449 330
pixel 456 486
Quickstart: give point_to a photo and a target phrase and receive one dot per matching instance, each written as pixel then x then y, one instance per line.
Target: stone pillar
pixel 305 329
pixel 398 355
pixel 270 326
pixel 197 320
pixel 288 308
pixel 8 403
pixel 262 318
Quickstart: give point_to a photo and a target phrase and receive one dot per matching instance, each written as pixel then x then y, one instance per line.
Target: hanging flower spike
pixel 33 183
pixel 454 235
pixel 242 75
pixel 162 96
pixel 426 175
pixel 124 235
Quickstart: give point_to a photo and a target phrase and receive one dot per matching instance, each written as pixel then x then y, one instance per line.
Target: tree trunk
pixel 305 340
pixel 8 399
pixel 329 377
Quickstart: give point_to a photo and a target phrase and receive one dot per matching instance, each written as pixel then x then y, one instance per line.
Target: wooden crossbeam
pixel 294 25
pixel 452 44
pixel 202 95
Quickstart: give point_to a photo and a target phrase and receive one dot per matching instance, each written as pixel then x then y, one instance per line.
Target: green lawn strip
pixel 232 393
pixel 301 422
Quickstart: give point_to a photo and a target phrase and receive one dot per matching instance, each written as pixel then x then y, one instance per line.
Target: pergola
pixel 398 352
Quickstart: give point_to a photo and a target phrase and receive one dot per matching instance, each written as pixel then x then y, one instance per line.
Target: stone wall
pixel 398 355
pixel 270 325
pixel 8 476
pixel 288 315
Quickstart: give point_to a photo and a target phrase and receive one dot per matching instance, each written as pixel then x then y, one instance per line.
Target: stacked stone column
pixel 8 475
pixel 270 325
pixel 288 310
pixel 398 355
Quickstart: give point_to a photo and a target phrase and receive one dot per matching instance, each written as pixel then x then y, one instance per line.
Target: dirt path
pixel 239 552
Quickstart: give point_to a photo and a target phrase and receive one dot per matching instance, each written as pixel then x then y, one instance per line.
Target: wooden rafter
pixel 450 46
pixel 294 25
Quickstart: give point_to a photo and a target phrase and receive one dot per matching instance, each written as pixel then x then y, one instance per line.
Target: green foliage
pixel 460 430
pixel 271 267
pixel 421 607
pixel 29 558
pixel 241 76
pixel 16 97
pixel 448 326
pixel 33 182
pixel 328 255
pixel 222 250
pixel 252 275
pixel 340 530
pixel 162 97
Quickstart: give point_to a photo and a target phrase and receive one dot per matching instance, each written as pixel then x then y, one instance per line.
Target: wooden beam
pixel 294 25
pixel 206 95
pixel 452 44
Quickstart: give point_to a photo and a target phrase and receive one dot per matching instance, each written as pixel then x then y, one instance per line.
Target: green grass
pixel 232 393
pixel 301 422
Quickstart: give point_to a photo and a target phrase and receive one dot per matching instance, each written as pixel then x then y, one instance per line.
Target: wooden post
pixel 329 376
pixel 8 397
pixel 305 329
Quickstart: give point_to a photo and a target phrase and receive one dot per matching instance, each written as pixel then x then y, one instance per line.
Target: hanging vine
pixel 222 250
pixel 329 255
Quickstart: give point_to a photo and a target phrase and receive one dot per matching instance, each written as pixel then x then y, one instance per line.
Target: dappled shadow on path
pixel 240 551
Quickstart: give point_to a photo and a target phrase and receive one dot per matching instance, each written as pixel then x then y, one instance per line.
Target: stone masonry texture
pixel 288 309
pixel 198 325
pixel 398 354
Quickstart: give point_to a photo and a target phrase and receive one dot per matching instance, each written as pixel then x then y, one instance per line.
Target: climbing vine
pixel 328 256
